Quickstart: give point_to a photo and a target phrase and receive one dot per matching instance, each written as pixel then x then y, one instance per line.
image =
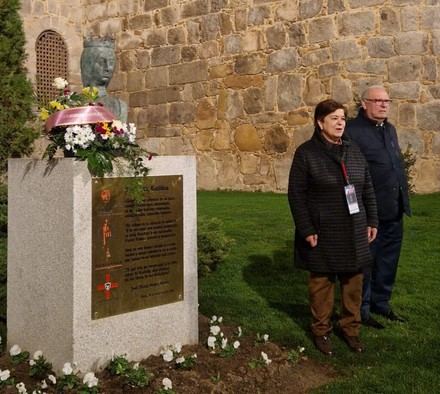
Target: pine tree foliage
pixel 16 95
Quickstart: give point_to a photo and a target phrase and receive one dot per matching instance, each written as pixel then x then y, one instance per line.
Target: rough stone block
pixel 253 100
pixel 321 29
pixel 436 144
pixel 225 24
pixel 299 117
pixel 412 43
pixel 151 5
pixel 335 6
pixel 407 114
pixel 410 18
pixel 249 64
pixel 138 99
pixel 356 23
pixel 230 105
pixel 404 68
pixel 297 35
pixel 270 93
pixel 435 91
pixel 328 70
pixel 287 11
pixel 252 41
pixel 371 66
pixel 210 25
pixel 195 8
pixel 313 92
pixel 165 55
pixel 156 38
pixel 140 22
pixel 220 70
pixel 249 163
pixel 218 5
pixel 156 115
pixel 208 50
pixel 203 140
pixel 176 36
pixel 435 42
pixel 243 81
pixel 276 36
pixel 135 81
pixel 188 72
pixel 289 92
pixel 283 60
pixel 129 41
pixel 169 16
pixel 163 132
pixel 189 53
pixel 428 116
pixel 231 44
pixel 246 138
pixel 142 59
pixel 381 47
pixel 345 49
pixel 316 57
pixel 181 113
pixel 389 21
pixel 127 60
pixel 309 8
pixel 341 90
pixel 206 114
pixel 240 18
pixel 222 136
pixel 193 31
pixel 430 18
pixel 164 95
pixel 257 15
pixel 276 140
pixel 206 173
pixel 427 175
pixel 363 3
pixel 156 77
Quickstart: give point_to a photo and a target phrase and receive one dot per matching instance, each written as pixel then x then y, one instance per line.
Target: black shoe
pixel 393 317
pixel 373 323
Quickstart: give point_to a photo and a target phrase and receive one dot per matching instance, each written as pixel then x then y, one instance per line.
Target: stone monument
pixel 97 65
pixel 90 273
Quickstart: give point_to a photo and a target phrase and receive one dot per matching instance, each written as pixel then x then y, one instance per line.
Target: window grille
pixel 51 63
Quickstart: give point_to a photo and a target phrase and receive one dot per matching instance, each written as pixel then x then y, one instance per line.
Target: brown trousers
pixel 321 293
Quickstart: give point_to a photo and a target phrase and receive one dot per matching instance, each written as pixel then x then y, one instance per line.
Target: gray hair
pixel 367 90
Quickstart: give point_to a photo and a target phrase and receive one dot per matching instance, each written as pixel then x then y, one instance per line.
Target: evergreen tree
pixel 16 94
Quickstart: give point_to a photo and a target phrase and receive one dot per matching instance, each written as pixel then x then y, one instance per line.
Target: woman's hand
pixel 312 240
pixel 371 232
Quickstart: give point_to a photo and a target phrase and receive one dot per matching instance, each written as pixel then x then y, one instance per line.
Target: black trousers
pixel 379 280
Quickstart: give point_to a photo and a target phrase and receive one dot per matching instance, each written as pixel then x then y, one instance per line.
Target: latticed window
pixel 51 63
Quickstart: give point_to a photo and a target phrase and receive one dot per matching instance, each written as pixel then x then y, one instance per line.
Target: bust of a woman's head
pixel 97 62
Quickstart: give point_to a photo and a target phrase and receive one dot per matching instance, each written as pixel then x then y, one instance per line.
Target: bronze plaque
pixel 137 247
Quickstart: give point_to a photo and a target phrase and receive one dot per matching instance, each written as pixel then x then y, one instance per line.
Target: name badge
pixel 350 195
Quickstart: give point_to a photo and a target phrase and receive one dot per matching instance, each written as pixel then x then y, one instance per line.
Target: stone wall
pixel 235 81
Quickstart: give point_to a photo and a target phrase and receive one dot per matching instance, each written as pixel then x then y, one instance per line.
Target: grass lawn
pixel 258 288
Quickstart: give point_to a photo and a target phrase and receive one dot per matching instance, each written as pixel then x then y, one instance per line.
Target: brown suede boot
pixel 323 344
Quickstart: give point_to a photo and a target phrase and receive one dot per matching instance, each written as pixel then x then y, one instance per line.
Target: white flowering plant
pixel 217 341
pixel 5 378
pixel 173 352
pixel 17 355
pixel 89 384
pixel 90 138
pixel 167 387
pixel 132 373
pixel 39 366
pixel 69 380
pixel 295 355
pixel 262 361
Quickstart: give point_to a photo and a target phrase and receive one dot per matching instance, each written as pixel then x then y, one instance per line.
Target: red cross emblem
pixel 107 287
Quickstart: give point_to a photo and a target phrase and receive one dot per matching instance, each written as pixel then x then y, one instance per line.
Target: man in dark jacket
pixel 377 139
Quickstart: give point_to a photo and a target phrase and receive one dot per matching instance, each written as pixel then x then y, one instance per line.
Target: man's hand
pixel 371 232
pixel 312 240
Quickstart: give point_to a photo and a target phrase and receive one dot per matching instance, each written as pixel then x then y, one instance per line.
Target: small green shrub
pixel 213 244
pixel 409 160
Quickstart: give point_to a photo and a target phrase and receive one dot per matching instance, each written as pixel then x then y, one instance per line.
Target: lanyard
pixel 344 172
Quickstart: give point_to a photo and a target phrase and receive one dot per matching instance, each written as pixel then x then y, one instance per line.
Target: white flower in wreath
pixel 59 83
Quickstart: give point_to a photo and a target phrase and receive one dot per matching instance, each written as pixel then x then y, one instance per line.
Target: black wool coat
pixel 318 204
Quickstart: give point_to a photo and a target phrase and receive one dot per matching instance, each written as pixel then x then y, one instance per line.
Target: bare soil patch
pixel 212 373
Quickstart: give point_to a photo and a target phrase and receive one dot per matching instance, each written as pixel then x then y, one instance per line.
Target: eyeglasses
pixel 379 101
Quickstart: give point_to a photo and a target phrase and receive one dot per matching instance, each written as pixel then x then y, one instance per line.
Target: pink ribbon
pixel 79 115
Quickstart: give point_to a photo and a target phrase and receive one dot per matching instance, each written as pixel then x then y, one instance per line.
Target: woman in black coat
pixel 333 204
